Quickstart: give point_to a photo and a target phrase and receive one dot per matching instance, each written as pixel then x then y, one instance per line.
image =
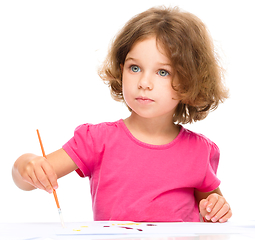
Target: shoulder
pixel 202 147
pixel 104 126
pixel 99 130
pixel 198 139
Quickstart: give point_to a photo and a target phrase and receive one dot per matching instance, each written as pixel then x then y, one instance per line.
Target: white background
pixel 49 54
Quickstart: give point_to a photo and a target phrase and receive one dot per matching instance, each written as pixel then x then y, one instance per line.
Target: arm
pixel 31 171
pixel 213 206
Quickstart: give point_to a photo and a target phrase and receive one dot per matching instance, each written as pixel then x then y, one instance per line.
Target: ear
pixel 121 67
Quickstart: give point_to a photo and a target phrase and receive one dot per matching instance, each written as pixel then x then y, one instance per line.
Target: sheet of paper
pixel 121 230
pixel 114 228
pixel 27 231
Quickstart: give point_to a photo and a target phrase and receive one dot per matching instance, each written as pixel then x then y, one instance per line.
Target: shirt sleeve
pixel 81 149
pixel 211 181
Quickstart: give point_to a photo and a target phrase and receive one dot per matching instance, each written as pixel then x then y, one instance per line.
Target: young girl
pixel 148 167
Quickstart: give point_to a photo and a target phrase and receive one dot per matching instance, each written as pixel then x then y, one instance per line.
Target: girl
pixel 148 167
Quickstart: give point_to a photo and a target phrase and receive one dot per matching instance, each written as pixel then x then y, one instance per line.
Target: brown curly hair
pixel 187 43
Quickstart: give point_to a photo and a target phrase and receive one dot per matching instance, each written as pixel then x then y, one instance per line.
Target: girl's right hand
pixel 38 172
pixel 31 171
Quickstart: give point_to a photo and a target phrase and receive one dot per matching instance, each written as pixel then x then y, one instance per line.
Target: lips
pixel 142 99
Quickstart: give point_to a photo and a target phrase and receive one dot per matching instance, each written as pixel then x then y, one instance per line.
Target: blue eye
pixel 163 73
pixel 135 68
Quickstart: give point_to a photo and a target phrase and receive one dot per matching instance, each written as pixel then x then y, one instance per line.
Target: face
pixel 146 81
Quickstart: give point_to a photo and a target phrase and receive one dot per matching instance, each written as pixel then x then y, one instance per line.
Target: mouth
pixel 142 99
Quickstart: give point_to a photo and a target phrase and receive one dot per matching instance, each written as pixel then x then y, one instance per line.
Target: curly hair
pixel 188 45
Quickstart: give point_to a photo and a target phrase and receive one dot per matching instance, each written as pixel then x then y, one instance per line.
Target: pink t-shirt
pixel 134 181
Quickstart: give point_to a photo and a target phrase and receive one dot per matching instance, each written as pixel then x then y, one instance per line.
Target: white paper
pixel 122 230
pixel 126 228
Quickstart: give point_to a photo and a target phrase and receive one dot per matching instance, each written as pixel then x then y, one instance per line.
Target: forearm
pixel 203 195
pixel 17 178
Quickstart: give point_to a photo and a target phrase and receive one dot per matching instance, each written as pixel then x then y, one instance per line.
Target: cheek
pixel 169 95
pixel 125 89
pixel 175 96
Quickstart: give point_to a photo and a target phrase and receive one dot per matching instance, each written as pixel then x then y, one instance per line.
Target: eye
pixel 163 73
pixel 135 68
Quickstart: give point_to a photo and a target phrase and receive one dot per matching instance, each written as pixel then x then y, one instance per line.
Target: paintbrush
pixel 54 191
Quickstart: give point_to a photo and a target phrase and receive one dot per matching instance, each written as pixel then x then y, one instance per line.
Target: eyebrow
pixel 165 64
pixel 129 58
pixel 133 59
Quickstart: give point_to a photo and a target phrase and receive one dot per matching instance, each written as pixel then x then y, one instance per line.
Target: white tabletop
pixel 127 230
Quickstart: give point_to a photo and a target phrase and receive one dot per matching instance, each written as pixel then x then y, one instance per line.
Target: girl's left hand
pixel 215 208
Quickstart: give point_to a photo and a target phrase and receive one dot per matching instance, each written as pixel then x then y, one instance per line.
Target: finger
pixel 51 174
pixel 202 207
pixel 217 207
pixel 36 182
pixel 30 177
pixel 212 200
pixel 221 212
pixel 43 180
pixel 29 174
pixel 29 180
pixel 226 217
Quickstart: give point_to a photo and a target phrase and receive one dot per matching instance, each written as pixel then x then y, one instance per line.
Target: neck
pixel 160 130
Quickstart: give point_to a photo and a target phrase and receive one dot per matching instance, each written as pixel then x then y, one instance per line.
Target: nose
pixel 145 82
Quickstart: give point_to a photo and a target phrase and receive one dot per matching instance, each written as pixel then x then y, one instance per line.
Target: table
pixel 128 230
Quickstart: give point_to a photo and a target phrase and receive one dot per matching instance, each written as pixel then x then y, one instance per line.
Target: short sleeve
pixel 211 182
pixel 81 149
